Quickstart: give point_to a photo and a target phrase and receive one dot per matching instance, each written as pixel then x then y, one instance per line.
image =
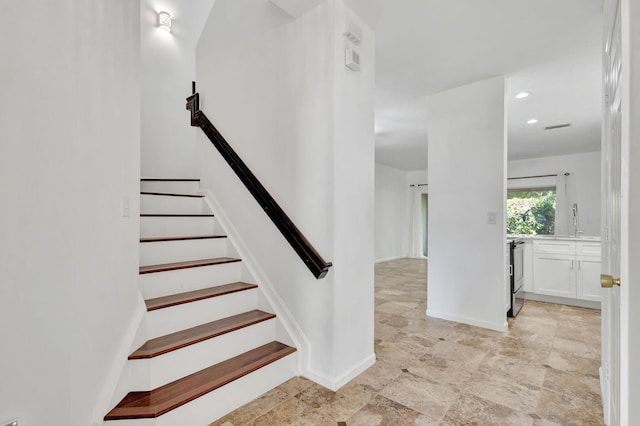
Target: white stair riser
pixel 148 374
pixel 131 422
pixel 154 253
pixel 160 284
pixel 216 404
pixel 176 318
pixel 171 204
pixel 175 187
pixel 176 226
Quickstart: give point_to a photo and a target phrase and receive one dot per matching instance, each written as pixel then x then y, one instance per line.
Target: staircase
pixel 207 343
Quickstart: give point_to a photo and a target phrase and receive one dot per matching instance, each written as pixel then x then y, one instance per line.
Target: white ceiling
pixel 550 48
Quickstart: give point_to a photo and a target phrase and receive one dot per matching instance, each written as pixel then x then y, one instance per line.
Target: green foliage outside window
pixel 531 211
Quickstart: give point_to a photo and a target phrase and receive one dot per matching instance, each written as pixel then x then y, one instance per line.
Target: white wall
pixel 69 153
pixel 467 180
pixel 417 177
pixel 167 68
pixel 583 185
pixel 354 197
pixel 391 214
pixel 303 123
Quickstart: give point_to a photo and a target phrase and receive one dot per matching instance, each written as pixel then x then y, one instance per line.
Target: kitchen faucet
pixel 576 231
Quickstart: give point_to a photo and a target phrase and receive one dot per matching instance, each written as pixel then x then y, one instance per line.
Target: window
pixel 531 211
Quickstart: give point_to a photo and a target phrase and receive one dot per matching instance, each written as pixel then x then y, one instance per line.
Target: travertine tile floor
pixel 543 371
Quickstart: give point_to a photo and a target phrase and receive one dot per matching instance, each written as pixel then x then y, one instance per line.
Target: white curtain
pixel 563 223
pixel 415 223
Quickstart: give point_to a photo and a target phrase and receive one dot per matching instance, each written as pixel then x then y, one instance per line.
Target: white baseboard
pixel 116 383
pixel 286 318
pixel 470 321
pixel 335 383
pixel 562 300
pixel 605 396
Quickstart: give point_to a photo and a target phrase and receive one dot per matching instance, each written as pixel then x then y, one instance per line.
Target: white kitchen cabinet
pixel 554 274
pixel 588 280
pixel 567 268
pixel 588 273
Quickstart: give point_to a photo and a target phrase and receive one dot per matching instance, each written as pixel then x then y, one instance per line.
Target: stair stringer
pixel 293 334
pixel 117 384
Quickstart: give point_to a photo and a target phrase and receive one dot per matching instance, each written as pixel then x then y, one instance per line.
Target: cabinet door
pixel 555 275
pixel 588 284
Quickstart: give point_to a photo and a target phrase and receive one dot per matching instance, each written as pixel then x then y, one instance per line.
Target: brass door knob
pixel 607 281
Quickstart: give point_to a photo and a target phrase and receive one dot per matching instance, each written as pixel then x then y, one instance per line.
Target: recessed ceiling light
pixel 532 121
pixel 522 95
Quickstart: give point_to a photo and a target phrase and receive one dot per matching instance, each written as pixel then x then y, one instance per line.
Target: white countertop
pixel 553 237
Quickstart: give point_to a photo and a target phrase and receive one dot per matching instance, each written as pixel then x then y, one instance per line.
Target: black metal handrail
pixel 316 264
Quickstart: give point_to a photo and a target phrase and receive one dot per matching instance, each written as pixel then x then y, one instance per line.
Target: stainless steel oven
pixel 516 270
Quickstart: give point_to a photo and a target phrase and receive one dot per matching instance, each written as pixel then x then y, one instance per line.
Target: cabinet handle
pixel 510 270
pixel 579 265
pixel 572 265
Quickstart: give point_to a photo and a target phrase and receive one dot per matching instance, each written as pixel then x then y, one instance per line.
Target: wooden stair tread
pixel 192 296
pixel 150 404
pixel 187 264
pixel 176 215
pixel 168 180
pixel 171 194
pixel 193 237
pixel 180 339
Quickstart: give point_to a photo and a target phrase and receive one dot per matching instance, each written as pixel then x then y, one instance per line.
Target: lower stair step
pixel 184 265
pixel 150 404
pixel 193 296
pixel 180 339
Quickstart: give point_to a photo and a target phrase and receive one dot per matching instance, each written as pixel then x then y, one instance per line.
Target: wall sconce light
pixel 164 21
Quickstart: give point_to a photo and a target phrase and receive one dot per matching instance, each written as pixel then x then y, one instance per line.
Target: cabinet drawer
pixel 554 247
pixel 588 248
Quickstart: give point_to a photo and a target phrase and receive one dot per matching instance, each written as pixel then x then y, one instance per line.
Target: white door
pixel 611 212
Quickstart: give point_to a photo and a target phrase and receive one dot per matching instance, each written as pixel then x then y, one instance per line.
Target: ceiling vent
pixel 557 126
